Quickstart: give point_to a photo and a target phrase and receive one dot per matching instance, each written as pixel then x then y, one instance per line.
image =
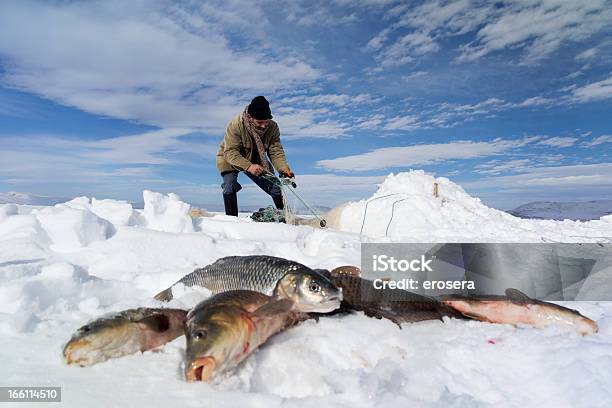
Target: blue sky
pixel 510 99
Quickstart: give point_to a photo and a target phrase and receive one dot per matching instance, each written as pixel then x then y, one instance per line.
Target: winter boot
pixel 278 202
pixel 231 204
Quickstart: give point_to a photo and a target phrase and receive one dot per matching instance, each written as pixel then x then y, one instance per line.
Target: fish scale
pixel 259 273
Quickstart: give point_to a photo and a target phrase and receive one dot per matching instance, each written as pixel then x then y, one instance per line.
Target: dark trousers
pixel 231 186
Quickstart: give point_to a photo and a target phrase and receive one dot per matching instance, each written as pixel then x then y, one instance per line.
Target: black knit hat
pixel 259 108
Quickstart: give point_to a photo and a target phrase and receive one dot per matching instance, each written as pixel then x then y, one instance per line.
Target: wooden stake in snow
pixel 435 192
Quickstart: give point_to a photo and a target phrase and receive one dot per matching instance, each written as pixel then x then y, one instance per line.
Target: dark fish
pixel 399 306
pixel 124 333
pixel 272 276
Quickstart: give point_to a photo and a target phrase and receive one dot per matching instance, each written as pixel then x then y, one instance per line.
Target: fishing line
pixel 287 184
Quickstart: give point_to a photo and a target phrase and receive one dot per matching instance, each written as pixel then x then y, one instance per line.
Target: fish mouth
pixel 328 305
pixel 334 299
pixel 201 369
pixel 74 350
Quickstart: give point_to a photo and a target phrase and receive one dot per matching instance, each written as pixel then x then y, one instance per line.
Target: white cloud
pixel 587 55
pixel 597 175
pixel 595 91
pixel 153 62
pixel 378 41
pixel 63 160
pixel 306 123
pixel 371 122
pixel 414 75
pixel 406 48
pixel 402 123
pixel 498 166
pixel 536 101
pixel 538 27
pixel 325 13
pixel 329 99
pixel 140 149
pixel 558 141
pixel 598 140
pixel 406 156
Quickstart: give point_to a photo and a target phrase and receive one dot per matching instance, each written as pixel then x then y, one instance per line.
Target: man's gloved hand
pixel 287 173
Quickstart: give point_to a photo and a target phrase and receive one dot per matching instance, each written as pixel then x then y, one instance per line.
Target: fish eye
pixel 199 335
pixel 314 287
pixel 86 329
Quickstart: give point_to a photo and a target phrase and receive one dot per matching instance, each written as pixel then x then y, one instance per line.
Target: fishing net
pixel 290 207
pixel 268 214
pixel 271 214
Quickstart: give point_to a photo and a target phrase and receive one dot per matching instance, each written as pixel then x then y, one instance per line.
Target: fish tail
pixel 164 295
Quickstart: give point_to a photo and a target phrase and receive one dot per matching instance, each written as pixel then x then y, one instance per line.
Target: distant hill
pixel 29 199
pixel 550 210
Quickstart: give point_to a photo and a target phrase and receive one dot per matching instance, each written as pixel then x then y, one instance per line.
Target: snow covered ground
pixel 61 266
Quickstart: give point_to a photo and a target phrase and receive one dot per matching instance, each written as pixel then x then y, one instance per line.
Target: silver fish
pixel 310 291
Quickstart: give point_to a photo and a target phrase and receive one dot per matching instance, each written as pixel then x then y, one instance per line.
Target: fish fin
pixel 158 322
pixel 515 294
pixel 480 318
pixel 346 270
pixel 274 308
pixel 164 295
pixel 378 313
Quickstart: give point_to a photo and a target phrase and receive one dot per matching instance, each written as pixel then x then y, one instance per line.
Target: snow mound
pixel 72 228
pixel 418 207
pixel 166 212
pixel 342 361
pixel 119 213
pixel 7 210
pixel 21 236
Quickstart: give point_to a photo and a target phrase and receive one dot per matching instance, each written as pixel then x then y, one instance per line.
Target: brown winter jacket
pixel 238 151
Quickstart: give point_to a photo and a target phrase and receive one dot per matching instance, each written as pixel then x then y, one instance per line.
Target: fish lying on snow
pixel 272 276
pixel 399 306
pixel 517 308
pixel 124 333
pixel 224 330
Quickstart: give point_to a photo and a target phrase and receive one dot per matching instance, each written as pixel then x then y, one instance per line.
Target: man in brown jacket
pixel 250 139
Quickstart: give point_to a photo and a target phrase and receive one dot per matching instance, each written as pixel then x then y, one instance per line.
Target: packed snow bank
pixel 72 228
pixel 405 208
pixel 119 213
pixel 46 293
pixel 166 213
pixel 21 236
pixel 7 210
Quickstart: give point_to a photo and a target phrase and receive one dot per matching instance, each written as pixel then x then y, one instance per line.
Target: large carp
pixel 224 330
